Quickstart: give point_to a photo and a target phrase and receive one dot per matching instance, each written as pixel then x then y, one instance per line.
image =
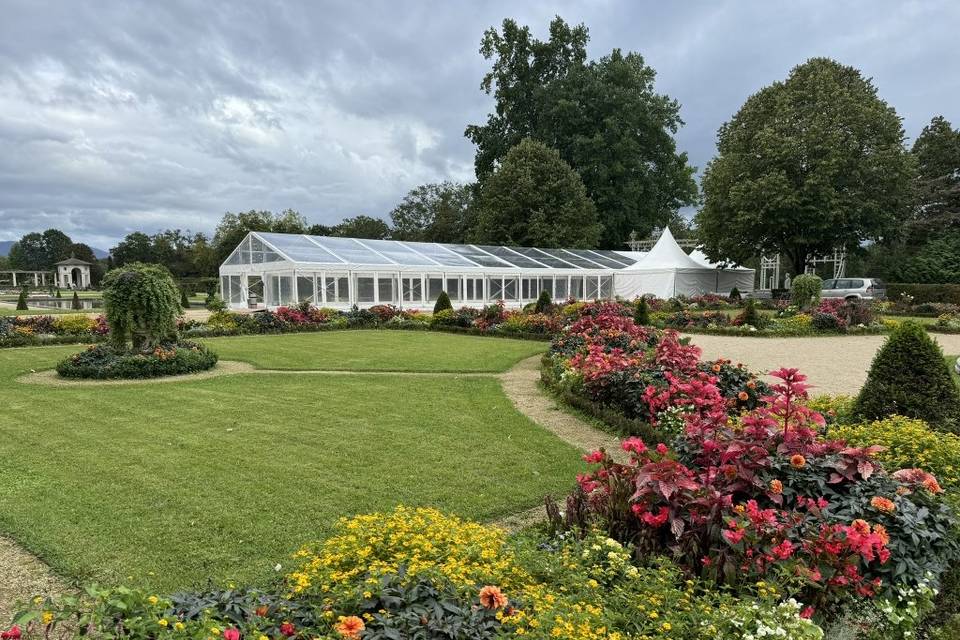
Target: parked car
pixel 854 289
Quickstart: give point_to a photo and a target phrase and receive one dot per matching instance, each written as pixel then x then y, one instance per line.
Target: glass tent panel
pixel 613 256
pixel 577 259
pixel 543 258
pixel 298 248
pixel 350 250
pixel 601 260
pixel 398 252
pixel 441 254
pixel 517 260
pixel 476 255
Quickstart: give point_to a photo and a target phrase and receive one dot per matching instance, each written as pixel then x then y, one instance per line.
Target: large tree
pixel 234 227
pixel 362 227
pixel 534 198
pixel 937 153
pixel 603 117
pixel 434 213
pixel 40 251
pixel 807 165
pixel 135 247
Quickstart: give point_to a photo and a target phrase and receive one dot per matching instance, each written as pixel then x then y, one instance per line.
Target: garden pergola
pixel 279 269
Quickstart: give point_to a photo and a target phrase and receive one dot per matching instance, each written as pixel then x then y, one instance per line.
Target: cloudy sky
pixel 122 116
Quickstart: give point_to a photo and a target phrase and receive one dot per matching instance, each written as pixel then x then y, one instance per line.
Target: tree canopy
pixel 440 212
pixel 234 227
pixel 534 198
pixel 603 117
pixel 362 227
pixel 40 251
pixel 937 153
pixel 807 165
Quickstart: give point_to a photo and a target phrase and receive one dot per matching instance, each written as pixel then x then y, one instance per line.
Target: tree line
pixel 580 153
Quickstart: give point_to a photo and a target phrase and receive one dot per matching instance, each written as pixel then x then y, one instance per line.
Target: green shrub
pixel 75 303
pixel 751 316
pixel 543 302
pixel 442 303
pixel 215 303
pixel 922 293
pixel 141 304
pixel 641 311
pixel 22 300
pixel 910 443
pixel 184 298
pixel 910 377
pixel 735 295
pixel 74 324
pixel 806 290
pixel 106 361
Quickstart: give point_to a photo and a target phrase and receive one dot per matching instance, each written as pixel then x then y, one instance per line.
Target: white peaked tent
pixel 666 271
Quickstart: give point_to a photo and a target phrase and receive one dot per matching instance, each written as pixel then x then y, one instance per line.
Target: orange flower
pixel 744 396
pixel 861 526
pixel 492 598
pixel 931 485
pixel 881 532
pixel 350 627
pixel 882 504
pixel 797 461
pixel 752 384
pixel 776 487
pixel 716 368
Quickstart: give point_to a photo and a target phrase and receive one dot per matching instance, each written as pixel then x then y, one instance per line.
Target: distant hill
pixel 6 244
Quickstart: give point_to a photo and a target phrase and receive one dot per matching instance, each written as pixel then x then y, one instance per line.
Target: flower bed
pixel 104 362
pixel 747 488
pixel 418 573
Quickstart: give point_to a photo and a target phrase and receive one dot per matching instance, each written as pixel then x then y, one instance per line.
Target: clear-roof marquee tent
pixel 278 269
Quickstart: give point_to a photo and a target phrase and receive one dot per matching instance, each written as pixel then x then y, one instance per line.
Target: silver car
pixel 854 289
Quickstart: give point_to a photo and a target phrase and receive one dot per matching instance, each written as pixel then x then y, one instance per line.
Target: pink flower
pixel 733 536
pixel 634 444
pixel 807 613
pixel 662 449
pixel 231 634
pixel 663 514
pixel 783 550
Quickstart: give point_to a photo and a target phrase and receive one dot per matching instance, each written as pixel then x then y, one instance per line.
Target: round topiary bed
pixel 109 362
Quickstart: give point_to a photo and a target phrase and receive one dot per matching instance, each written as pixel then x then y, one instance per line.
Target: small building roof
pixel 72 261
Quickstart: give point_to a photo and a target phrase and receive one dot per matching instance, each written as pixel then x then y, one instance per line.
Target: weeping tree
pixel 141 304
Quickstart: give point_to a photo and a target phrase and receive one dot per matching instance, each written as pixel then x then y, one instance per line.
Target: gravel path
pixel 833 364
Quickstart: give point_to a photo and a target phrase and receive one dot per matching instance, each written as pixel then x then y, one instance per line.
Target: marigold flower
pixel 350 627
pixel 492 598
pixel 883 504
pixel 881 532
pixel 797 461
pixel 743 396
pixel 861 526
pixel 776 487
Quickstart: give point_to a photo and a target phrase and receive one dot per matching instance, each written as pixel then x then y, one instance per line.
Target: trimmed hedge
pixel 108 362
pixel 925 292
pixel 909 377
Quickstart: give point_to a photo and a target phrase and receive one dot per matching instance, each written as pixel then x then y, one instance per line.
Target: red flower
pixel 231 634
pixel 733 536
pixel 593 457
pixel 783 550
pixel 634 444
pixel 807 613
pixel 663 514
pixel 662 449
pixel 288 629
pixel 12 634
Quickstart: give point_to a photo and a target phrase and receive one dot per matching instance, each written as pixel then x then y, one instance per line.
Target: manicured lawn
pixel 223 478
pixel 377 350
pixel 12 311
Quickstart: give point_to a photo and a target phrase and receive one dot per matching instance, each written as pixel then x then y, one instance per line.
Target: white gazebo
pixel 73 273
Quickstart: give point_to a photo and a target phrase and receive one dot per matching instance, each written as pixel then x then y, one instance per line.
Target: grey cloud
pixel 119 116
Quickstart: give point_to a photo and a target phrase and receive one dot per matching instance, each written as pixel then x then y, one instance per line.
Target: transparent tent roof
pixel 260 247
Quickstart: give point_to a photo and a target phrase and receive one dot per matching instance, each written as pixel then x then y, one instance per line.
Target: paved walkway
pixel 833 364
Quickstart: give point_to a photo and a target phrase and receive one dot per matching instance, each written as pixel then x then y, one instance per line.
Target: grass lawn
pixel 377 350
pixel 222 478
pixel 12 311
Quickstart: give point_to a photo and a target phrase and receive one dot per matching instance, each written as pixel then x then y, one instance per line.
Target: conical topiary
pixel 58 293
pixel 641 311
pixel 543 302
pixel 909 377
pixel 76 302
pixel 22 300
pixel 735 294
pixel 443 303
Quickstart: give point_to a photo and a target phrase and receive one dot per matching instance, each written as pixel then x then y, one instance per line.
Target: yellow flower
pixel 178 626
pixel 215 631
pixel 47 617
pixel 162 622
pixel 667 626
pixel 153 599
